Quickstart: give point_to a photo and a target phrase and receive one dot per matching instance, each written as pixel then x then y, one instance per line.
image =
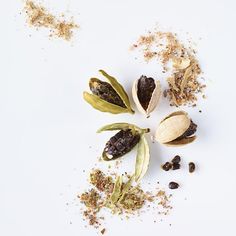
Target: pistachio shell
pixel 119 89
pixel 181 142
pixel 172 128
pixel 156 94
pixel 102 105
pixel 175 113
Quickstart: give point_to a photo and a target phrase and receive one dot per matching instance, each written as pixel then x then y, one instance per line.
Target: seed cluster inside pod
pixel 120 144
pixel 146 86
pixel 105 91
pixel 108 97
pixel 146 94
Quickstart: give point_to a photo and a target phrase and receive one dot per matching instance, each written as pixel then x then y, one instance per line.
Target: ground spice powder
pixel 179 60
pixel 39 17
pixel 132 200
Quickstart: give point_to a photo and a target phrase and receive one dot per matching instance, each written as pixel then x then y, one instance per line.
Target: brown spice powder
pixel 39 17
pixel 130 202
pixel 184 84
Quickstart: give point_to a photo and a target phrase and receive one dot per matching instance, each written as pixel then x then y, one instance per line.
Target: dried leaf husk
pixel 142 159
pixel 120 144
pixel 181 63
pixel 101 105
pixel 176 129
pixel 108 97
pixel 146 94
pixel 116 190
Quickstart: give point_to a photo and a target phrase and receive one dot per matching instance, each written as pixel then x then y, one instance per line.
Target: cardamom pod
pixel 176 129
pixel 108 97
pixel 146 94
pixel 123 141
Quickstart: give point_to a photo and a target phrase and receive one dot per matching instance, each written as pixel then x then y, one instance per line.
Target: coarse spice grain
pixel 184 84
pixel 129 200
pixel 39 17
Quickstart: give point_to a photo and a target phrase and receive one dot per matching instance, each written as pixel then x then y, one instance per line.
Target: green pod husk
pixel 102 100
pixel 142 159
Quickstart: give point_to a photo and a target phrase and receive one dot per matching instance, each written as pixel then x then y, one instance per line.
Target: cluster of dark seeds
pixel 174 164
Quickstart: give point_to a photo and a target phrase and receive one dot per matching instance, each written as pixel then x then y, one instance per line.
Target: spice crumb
pixel 184 84
pixel 103 231
pixel 39 17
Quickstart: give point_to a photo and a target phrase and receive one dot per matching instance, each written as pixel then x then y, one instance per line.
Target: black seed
pixel 173 185
pixel 176 166
pixel 121 143
pixel 105 91
pixel 176 159
pixel 191 167
pixel 145 89
pixel 167 166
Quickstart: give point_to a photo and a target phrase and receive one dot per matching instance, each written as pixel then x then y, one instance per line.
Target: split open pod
pixel 176 129
pixel 146 94
pixel 108 96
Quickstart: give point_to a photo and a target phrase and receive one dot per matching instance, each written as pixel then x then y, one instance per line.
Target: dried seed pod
pixel 176 129
pixel 146 94
pixel 123 142
pixel 108 97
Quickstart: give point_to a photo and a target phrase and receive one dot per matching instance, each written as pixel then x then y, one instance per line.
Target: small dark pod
pixel 120 144
pixel 191 167
pixel 173 185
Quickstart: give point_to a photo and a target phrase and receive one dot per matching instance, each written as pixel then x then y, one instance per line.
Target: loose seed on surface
pixel 176 159
pixel 167 166
pixel 175 166
pixel 173 185
pixel 192 167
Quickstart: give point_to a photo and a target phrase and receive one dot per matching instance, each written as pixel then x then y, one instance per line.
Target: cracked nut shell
pixel 176 129
pixel 146 94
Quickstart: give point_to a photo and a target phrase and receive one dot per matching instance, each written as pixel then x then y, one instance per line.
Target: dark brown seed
pixel 173 185
pixel 167 166
pixel 145 89
pixel 175 166
pixel 105 91
pixel 176 159
pixel 121 143
pixel 192 167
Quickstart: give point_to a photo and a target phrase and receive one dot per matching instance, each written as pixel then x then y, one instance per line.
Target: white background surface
pixel 46 129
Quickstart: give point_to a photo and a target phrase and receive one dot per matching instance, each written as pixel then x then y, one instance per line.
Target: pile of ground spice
pixel 38 17
pixel 120 197
pixel 174 56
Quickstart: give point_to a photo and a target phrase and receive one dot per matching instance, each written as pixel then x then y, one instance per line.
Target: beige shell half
pixel 156 94
pixel 172 127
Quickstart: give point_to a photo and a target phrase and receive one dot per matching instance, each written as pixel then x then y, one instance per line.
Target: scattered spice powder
pixel 185 69
pixel 123 199
pixel 39 17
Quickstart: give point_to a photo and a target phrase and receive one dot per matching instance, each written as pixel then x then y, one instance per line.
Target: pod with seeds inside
pixel 176 129
pixel 146 94
pixel 125 140
pixel 108 96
